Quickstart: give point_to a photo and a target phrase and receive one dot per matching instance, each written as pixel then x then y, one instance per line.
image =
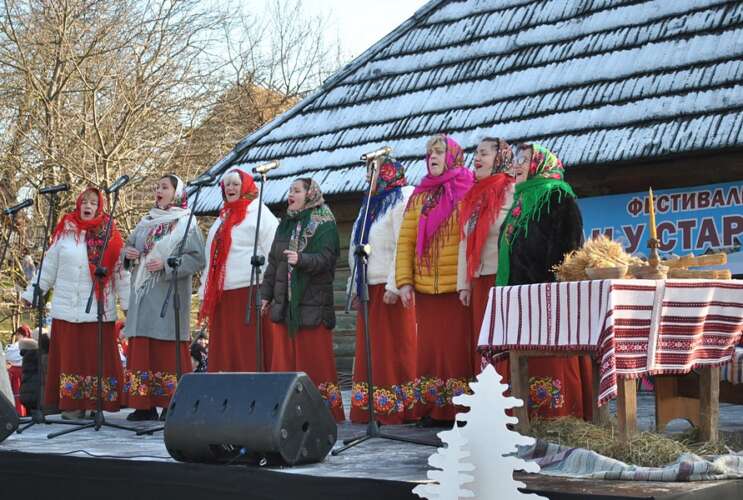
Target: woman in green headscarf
pixel 298 290
pixel 543 225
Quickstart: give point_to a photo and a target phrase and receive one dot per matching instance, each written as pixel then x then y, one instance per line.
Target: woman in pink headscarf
pixel 426 275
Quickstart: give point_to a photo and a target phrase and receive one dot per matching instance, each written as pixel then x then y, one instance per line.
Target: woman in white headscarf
pixel 150 373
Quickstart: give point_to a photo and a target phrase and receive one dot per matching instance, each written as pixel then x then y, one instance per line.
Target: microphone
pixel 54 189
pixel 375 154
pixel 266 167
pixel 205 180
pixel 15 208
pixel 118 184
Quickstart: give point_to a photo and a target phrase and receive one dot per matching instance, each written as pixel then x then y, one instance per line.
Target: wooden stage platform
pixel 114 464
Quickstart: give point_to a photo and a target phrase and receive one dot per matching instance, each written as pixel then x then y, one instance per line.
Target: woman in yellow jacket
pixel 426 275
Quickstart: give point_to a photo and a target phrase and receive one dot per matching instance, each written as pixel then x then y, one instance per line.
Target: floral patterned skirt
pixel 150 372
pixel 558 386
pixel 72 382
pixel 445 354
pixel 310 351
pixel 392 330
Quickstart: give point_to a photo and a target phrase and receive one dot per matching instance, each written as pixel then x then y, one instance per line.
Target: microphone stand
pixel 362 252
pixel 37 415
pixel 254 292
pixel 174 262
pixel 100 273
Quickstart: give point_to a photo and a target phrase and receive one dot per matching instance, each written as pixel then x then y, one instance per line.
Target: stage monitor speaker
pixel 8 417
pixel 274 418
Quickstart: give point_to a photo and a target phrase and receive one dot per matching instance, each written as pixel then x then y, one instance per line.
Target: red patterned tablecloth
pixel 636 327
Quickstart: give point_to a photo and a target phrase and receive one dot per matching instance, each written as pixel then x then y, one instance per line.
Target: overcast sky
pixel 360 23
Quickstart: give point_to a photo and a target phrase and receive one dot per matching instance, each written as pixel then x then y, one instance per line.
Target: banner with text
pixel 698 220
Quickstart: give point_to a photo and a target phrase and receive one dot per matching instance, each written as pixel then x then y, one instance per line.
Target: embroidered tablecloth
pixel 636 327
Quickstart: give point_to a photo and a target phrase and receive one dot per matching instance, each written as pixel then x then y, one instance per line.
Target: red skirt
pixel 15 373
pixel 480 288
pixel 310 351
pixel 445 354
pixel 150 372
pixel 71 381
pixel 392 329
pixel 231 341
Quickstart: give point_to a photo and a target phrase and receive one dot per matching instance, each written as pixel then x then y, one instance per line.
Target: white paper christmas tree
pixel 489 445
pixel 451 477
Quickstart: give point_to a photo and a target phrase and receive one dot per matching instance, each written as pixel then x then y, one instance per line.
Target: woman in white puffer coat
pixel 69 269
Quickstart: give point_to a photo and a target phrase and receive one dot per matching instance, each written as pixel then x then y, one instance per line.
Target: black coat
pixel 317 304
pixel 32 383
pixel 558 231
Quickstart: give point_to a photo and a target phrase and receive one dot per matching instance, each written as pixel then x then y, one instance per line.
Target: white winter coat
pixel 383 241
pixel 238 267
pixel 66 271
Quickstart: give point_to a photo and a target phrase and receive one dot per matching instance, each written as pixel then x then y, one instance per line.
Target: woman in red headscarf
pixel 483 211
pixel 225 284
pixel 69 267
pixel 426 275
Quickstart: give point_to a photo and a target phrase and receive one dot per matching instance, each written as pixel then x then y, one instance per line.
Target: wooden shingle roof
pixel 597 81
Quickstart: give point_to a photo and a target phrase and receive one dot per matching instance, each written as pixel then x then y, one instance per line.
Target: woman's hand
pixel 356 303
pixel 131 253
pixel 291 257
pixel 389 298
pixel 407 296
pixel 464 297
pixel 154 264
pixel 264 306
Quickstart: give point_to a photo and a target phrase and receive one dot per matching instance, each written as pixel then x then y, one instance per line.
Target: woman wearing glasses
pixel 544 224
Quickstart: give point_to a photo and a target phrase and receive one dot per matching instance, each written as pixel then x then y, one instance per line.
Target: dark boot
pixel 141 415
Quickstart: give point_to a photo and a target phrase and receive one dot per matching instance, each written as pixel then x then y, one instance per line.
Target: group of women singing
pixel 437 248
pixel 451 238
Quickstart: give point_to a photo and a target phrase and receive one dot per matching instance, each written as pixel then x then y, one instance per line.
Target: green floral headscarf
pixel 545 177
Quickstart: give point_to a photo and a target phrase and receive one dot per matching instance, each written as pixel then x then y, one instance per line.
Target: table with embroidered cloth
pixel 631 328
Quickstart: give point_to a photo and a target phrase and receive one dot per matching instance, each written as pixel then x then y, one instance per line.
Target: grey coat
pixel 143 318
pixel 317 304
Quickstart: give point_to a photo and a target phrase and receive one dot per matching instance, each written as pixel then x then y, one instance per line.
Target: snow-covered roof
pixel 597 81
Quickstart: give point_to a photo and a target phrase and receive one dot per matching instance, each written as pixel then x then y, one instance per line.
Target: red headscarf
pixel 232 213
pixel 23 331
pixel 482 204
pixel 95 230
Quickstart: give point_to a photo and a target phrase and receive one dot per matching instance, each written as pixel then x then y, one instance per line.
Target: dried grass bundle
pixel 598 252
pixel 647 449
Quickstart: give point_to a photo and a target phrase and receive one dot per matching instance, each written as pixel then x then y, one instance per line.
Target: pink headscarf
pixel 441 194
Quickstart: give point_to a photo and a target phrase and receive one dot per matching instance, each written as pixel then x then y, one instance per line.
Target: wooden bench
pixel 694 397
